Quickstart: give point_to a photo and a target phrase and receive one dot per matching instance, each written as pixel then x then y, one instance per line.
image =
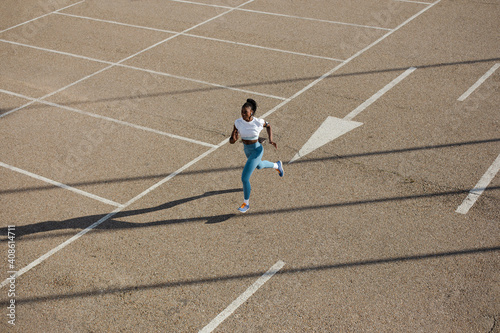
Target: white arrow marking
pixel 333 127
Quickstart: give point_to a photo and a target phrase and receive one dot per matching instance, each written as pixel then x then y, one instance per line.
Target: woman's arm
pixel 234 136
pixel 270 135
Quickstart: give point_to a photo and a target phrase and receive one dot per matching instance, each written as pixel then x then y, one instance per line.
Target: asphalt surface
pixel 121 191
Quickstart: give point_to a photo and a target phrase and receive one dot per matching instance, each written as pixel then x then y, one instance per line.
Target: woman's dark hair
pixel 250 103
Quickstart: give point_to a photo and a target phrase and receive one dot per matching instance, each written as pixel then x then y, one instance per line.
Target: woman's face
pixel 246 113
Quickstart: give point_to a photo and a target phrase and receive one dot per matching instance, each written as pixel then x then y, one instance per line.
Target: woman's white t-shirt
pixel 249 130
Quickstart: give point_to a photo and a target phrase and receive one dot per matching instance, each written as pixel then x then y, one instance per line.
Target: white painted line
pixel 173 174
pixel 142 70
pixel 330 129
pixel 123 60
pixel 479 82
pixel 31 101
pixel 121 122
pixel 117 23
pixel 76 82
pixel 242 298
pixel 16 109
pixel 180 33
pixel 411 1
pixel 317 20
pixel 39 17
pixel 333 128
pixel 377 95
pixel 201 82
pixel 69 241
pixel 479 188
pixel 354 56
pixel 203 37
pixel 58 248
pixel 107 217
pixel 57 52
pixel 264 48
pixel 7 92
pixel 61 185
pixel 284 15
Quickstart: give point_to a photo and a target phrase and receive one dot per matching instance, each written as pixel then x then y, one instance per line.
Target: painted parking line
pixel 121 122
pixel 166 179
pixel 333 127
pixel 61 185
pixel 110 215
pixel 480 187
pixel 411 1
pixel 139 69
pixel 200 37
pixel 379 94
pixel 284 15
pixel 131 201
pixel 125 59
pixel 39 17
pixel 479 82
pixel 242 298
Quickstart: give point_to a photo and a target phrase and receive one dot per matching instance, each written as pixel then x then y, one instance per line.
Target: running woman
pixel 249 128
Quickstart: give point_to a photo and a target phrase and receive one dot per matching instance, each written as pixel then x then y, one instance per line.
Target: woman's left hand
pixel 274 144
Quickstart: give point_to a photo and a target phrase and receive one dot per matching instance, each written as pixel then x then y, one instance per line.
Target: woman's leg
pixel 265 165
pixel 254 154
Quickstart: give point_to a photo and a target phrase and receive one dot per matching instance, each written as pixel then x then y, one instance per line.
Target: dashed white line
pixel 479 82
pixel 61 185
pixel 242 298
pixel 479 188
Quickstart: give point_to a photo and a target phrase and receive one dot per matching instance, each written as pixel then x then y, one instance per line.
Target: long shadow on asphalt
pixel 234 277
pixel 112 224
pixel 227 169
pixel 274 82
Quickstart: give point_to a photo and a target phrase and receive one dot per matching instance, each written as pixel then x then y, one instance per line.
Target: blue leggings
pixel 254 154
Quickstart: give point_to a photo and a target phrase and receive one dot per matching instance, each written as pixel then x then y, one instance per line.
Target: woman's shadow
pixel 86 221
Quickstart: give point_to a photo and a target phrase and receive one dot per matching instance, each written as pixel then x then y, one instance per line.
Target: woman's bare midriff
pixel 249 142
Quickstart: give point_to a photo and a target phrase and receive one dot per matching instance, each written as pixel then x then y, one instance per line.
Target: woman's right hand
pixel 234 136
